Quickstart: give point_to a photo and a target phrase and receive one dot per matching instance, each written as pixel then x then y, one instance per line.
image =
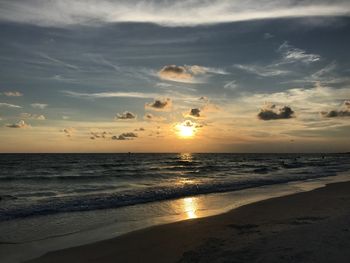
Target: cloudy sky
pixel 174 76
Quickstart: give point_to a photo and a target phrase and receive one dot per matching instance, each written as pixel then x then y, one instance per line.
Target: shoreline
pixel 189 239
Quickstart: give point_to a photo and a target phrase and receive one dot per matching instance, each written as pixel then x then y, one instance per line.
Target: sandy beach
pixel 305 227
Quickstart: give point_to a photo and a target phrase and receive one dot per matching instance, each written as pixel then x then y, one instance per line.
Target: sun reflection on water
pixel 190 207
pixel 186 157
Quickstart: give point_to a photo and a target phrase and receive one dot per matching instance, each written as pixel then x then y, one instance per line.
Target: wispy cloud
pixel 344 111
pixel 263 71
pixel 231 85
pixel 307 102
pixel 151 117
pixel 12 93
pixel 40 106
pixel 31 116
pixel 292 54
pixel 288 56
pixel 187 12
pixel 8 105
pixel 99 95
pixel 57 61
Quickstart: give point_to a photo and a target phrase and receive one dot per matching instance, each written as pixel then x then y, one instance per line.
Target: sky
pixel 174 76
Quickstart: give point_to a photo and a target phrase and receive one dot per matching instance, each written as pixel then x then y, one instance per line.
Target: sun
pixel 186 129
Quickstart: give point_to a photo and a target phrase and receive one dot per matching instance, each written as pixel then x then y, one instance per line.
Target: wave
pixel 126 198
pixel 47 184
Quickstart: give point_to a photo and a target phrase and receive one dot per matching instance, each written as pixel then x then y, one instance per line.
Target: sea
pixel 49 196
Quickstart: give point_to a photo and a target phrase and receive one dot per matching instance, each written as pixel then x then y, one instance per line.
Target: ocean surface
pixel 46 184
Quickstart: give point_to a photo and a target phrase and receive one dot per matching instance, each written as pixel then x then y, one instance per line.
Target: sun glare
pixel 186 129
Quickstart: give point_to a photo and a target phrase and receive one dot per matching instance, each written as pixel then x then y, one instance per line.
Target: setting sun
pixel 186 129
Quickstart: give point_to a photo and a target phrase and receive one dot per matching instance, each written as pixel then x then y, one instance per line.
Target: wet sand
pixel 304 227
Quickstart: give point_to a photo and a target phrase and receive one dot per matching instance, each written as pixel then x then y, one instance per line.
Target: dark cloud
pixel 194 113
pixel 68 131
pixel 272 112
pixel 188 124
pixel 98 135
pixel 159 105
pixel 127 115
pixel 125 136
pixel 21 124
pixel 148 116
pixel 175 73
pixel 344 111
pixel 187 73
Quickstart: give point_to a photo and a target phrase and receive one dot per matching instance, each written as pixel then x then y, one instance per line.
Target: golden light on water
pixel 190 207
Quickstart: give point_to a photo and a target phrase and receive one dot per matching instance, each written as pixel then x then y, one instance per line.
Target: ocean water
pixel 55 201
pixel 46 184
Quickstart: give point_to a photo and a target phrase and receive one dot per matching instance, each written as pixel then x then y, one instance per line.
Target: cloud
pixel 100 95
pixel 309 100
pixel 151 117
pixel 126 115
pixel 68 131
pixel 268 36
pixel 187 73
pixel 344 111
pixel 21 125
pixel 98 135
pixel 7 105
pixel 292 54
pixel 188 123
pixel 125 136
pixel 289 55
pixel 12 94
pixel 175 73
pixel 273 112
pixel 40 106
pixel 159 105
pixel 232 85
pixel 194 113
pixel 170 13
pixel 57 61
pixel 25 115
pixel 263 71
pixel 207 106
